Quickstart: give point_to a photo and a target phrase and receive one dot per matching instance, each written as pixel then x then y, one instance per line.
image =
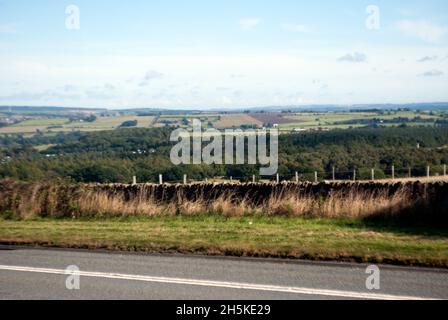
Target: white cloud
pixel 295 28
pixel 432 73
pixel 256 74
pixel 7 28
pixel 427 59
pixel 149 76
pixel 249 23
pixel 356 57
pixel 424 30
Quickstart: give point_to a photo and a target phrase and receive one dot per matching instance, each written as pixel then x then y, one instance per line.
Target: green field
pixel 64 125
pixel 281 237
pixel 109 123
pixel 329 120
pixel 42 122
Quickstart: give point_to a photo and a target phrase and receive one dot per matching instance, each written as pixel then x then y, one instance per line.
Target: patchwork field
pixel 332 120
pixel 324 120
pixel 64 125
pixel 286 121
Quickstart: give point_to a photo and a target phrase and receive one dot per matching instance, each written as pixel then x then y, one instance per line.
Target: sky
pixel 207 54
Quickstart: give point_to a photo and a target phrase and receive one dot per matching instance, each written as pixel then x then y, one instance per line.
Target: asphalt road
pixel 40 274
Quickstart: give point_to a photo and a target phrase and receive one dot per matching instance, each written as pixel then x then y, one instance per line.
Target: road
pixel 27 273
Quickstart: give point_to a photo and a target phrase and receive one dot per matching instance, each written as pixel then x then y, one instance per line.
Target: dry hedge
pixel 419 201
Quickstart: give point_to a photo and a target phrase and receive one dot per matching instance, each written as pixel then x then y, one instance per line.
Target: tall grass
pixel 24 201
pixel 103 204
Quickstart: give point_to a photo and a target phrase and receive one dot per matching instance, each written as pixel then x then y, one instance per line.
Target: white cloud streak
pixel 432 73
pixel 8 29
pixel 427 59
pixel 423 30
pixel 356 57
pixel 298 28
pixel 249 23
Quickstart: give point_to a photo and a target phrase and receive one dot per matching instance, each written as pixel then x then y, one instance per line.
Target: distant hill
pixel 336 107
pixel 292 108
pixel 36 111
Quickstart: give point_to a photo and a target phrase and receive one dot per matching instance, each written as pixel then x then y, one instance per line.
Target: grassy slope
pixel 255 236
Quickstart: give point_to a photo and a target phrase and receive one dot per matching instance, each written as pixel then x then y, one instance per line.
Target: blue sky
pixel 203 54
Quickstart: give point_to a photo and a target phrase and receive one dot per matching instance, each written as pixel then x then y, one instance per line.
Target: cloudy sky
pixel 222 53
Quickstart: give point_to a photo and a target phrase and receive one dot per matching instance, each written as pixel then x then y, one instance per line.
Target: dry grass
pixel 348 222
pixel 39 200
pixel 354 204
pixel 440 178
pixel 102 204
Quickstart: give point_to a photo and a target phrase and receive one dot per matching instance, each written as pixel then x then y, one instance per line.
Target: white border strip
pixel 219 284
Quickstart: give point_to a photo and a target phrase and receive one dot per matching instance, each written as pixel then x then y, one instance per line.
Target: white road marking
pixel 220 284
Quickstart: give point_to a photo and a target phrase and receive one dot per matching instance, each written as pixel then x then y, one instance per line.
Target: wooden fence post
pixel 160 179
pixel 297 177
pixel 373 174
pixel 253 179
pixel 185 179
pixel 428 171
pixel 334 174
pixel 134 180
pixel 278 178
pixel 315 177
pixel 393 172
pixel 354 175
pixel 409 172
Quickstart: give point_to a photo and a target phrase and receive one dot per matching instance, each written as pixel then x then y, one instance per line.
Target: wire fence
pixel 357 174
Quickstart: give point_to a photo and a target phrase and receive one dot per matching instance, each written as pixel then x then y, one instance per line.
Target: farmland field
pixel 236 120
pixel 64 125
pixel 110 123
pixel 287 121
pixel 22 129
pixel 42 122
pixel 334 120
pixel 274 118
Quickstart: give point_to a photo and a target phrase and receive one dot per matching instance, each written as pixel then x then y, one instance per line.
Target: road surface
pixel 27 273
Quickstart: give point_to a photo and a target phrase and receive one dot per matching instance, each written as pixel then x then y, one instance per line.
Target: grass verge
pixel 257 236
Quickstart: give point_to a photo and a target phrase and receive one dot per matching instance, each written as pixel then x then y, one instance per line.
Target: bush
pixel 128 124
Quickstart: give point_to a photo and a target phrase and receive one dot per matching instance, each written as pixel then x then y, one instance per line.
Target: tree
pixel 91 118
pixel 128 124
